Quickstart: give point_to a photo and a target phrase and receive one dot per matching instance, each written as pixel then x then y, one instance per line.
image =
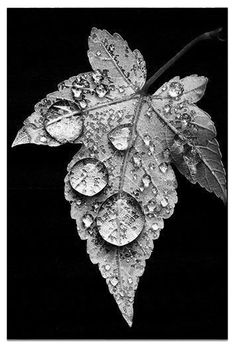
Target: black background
pixel 53 289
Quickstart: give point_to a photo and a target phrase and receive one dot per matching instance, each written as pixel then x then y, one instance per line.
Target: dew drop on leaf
pixel 83 104
pixel 63 121
pixel 146 181
pixel 114 281
pixel 136 160
pixel 147 140
pixel 97 76
pixel 163 167
pixel 101 90
pixel 120 219
pixel 88 176
pixel 176 89
pixel 120 137
pixel 164 202
pixel 167 108
pixel 87 220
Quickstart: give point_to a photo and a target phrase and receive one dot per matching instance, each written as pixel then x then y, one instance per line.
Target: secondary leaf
pixel 120 184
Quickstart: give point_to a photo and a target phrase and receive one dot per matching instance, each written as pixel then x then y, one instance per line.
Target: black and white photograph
pixel 117 123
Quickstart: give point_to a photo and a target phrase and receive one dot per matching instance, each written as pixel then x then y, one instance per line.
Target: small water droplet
pixel 167 108
pixel 184 124
pixel 98 53
pixel 97 76
pixel 146 181
pixel 87 220
pixel 151 206
pixel 155 227
pixel 111 48
pixel 121 90
pixel 120 137
pixel 107 267
pixel 136 160
pixel 130 280
pixel 43 139
pixel 176 89
pixel 134 177
pixel 164 88
pixel 166 154
pixel 164 202
pixel 147 139
pixel 78 202
pixel 152 166
pixel 83 104
pixel 114 281
pixel 154 191
pixel 76 92
pixel 163 167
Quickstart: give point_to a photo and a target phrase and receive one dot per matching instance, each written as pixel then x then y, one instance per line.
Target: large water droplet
pixel 164 202
pixel 175 90
pixel 63 121
pixel 120 137
pixel 87 220
pixel 120 219
pixel 88 176
pixel 114 281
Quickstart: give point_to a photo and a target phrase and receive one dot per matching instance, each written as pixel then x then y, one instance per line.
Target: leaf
pixel 120 184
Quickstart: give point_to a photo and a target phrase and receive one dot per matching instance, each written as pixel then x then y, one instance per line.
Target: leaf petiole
pixel 206 36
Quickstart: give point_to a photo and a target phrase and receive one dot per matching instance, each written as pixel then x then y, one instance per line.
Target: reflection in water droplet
pixel 146 181
pixel 130 280
pixel 98 53
pixel 87 220
pixel 120 137
pixel 120 219
pixel 76 92
pixel 155 226
pixel 163 167
pixel 88 176
pixel 43 139
pixel 176 89
pixel 63 121
pixel 151 206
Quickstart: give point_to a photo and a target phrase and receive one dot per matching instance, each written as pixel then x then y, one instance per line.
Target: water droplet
pixel 134 177
pixel 154 191
pixel 88 176
pixel 184 124
pixel 63 121
pixel 76 92
pixel 136 160
pixel 164 88
pixel 149 113
pixel 97 76
pixel 130 281
pixel 155 227
pixel 166 154
pixel 83 104
pixel 146 181
pixel 114 281
pixel 101 90
pixel 164 202
pixel 107 267
pixel 121 90
pixel 120 219
pixel 87 220
pixel 98 53
pixel 176 89
pixel 78 202
pixel 152 166
pixel 43 139
pixel 120 137
pixel 167 109
pixel 147 140
pixel 81 82
pixel 163 167
pixel 151 206
pixel 111 48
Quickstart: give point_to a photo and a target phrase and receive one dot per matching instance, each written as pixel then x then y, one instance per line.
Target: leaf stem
pixel 206 36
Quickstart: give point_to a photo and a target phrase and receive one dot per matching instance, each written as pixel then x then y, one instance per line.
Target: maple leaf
pixel 120 184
